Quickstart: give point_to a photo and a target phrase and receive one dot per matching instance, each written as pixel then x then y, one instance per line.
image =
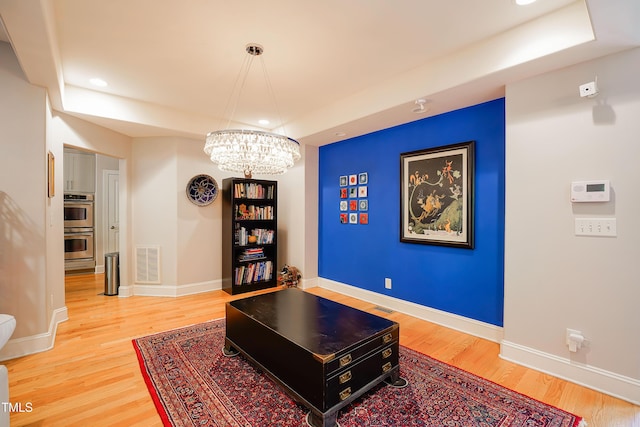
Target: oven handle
pixel 75 203
pixel 72 232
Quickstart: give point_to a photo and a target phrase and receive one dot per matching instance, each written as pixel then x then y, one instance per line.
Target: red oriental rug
pixel 193 384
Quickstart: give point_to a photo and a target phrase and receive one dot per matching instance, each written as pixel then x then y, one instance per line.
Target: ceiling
pixel 338 68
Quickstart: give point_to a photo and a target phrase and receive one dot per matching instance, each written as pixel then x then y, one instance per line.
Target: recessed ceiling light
pixel 263 122
pixel 98 82
pixel 524 2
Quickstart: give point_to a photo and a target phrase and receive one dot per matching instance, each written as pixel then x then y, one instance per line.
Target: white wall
pixel 23 199
pixel 298 216
pixel 555 280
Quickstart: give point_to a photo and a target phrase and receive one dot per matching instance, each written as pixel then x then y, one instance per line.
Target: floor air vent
pixel 147 264
pixel 384 309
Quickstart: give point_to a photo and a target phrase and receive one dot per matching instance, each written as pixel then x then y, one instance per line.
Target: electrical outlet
pixel 387 283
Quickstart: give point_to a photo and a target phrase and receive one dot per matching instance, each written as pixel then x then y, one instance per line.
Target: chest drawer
pixel 352 378
pixel 346 358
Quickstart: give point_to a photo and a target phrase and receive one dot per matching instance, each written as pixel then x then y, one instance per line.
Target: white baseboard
pixel 606 382
pixel 36 343
pixel 452 321
pixel 170 290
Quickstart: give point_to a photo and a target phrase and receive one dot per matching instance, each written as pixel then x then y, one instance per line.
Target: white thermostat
pixel 590 191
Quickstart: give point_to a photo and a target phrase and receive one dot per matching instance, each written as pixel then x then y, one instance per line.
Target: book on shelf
pixel 253 212
pixel 252 190
pixel 251 254
pixel 253 273
pixel 263 236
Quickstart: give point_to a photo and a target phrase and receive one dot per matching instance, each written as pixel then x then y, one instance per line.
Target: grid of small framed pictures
pixel 354 204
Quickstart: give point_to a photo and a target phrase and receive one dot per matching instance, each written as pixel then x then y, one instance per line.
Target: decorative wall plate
pixel 202 190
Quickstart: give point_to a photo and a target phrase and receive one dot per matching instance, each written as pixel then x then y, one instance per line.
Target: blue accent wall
pixel 466 282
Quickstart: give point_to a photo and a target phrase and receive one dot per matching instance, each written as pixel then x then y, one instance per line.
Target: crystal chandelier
pixel 252 151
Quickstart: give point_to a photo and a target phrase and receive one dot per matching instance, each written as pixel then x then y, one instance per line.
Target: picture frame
pixel 437 196
pixel 51 175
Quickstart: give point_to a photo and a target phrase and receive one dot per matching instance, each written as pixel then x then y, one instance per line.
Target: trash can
pixel 111 273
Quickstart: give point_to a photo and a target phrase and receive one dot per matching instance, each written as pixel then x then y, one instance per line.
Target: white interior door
pixel 112 219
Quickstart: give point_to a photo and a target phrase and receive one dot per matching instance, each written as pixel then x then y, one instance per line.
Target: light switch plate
pixel 596 227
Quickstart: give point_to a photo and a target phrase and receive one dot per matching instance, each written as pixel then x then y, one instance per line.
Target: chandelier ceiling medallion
pixel 247 150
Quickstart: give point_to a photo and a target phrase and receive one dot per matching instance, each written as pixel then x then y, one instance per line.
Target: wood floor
pixel 91 377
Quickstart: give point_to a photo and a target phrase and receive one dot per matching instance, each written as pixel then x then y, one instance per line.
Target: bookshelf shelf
pixel 249 235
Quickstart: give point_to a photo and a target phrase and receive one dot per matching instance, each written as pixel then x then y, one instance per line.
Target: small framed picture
pixel 343 181
pixel 363 178
pixel 344 206
pixel 344 218
pixel 343 193
pixel 364 218
pixel 353 192
pixel 363 205
pixel 353 205
pixel 353 179
pixel 362 191
pixel 353 218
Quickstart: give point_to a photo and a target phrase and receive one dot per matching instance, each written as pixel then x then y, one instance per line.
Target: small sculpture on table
pixel 289 276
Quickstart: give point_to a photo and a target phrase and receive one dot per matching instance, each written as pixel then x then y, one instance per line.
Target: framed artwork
pixel 436 195
pixel 343 193
pixel 51 177
pixel 353 218
pixel 343 181
pixel 363 205
pixel 353 179
pixel 364 218
pixel 362 191
pixel 353 205
pixel 353 192
pixel 363 178
pixel 343 205
pixel 344 219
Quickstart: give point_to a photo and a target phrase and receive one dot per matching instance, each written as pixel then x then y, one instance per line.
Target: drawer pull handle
pixel 386 367
pixel 345 393
pixel 345 360
pixel 386 353
pixel 345 377
pixel 387 338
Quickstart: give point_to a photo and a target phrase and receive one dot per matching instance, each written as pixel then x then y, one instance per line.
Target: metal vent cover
pixel 147 264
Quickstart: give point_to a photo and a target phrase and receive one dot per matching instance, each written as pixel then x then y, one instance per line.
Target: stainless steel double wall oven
pixel 79 232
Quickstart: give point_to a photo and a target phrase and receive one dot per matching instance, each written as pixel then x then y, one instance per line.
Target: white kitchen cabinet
pixel 79 172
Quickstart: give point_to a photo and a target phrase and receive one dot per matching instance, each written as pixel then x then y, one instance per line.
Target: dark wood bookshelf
pixel 249 235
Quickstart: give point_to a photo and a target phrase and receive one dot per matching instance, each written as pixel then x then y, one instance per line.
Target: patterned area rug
pixel 193 384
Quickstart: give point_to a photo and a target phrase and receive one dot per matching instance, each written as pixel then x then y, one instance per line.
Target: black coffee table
pixel 323 353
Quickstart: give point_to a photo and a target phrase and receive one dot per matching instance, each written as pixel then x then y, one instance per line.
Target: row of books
pixel 254 212
pixel 254 272
pixel 252 190
pixel 262 236
pixel 251 254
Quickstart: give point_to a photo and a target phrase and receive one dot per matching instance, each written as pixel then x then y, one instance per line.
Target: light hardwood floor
pixel 91 377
